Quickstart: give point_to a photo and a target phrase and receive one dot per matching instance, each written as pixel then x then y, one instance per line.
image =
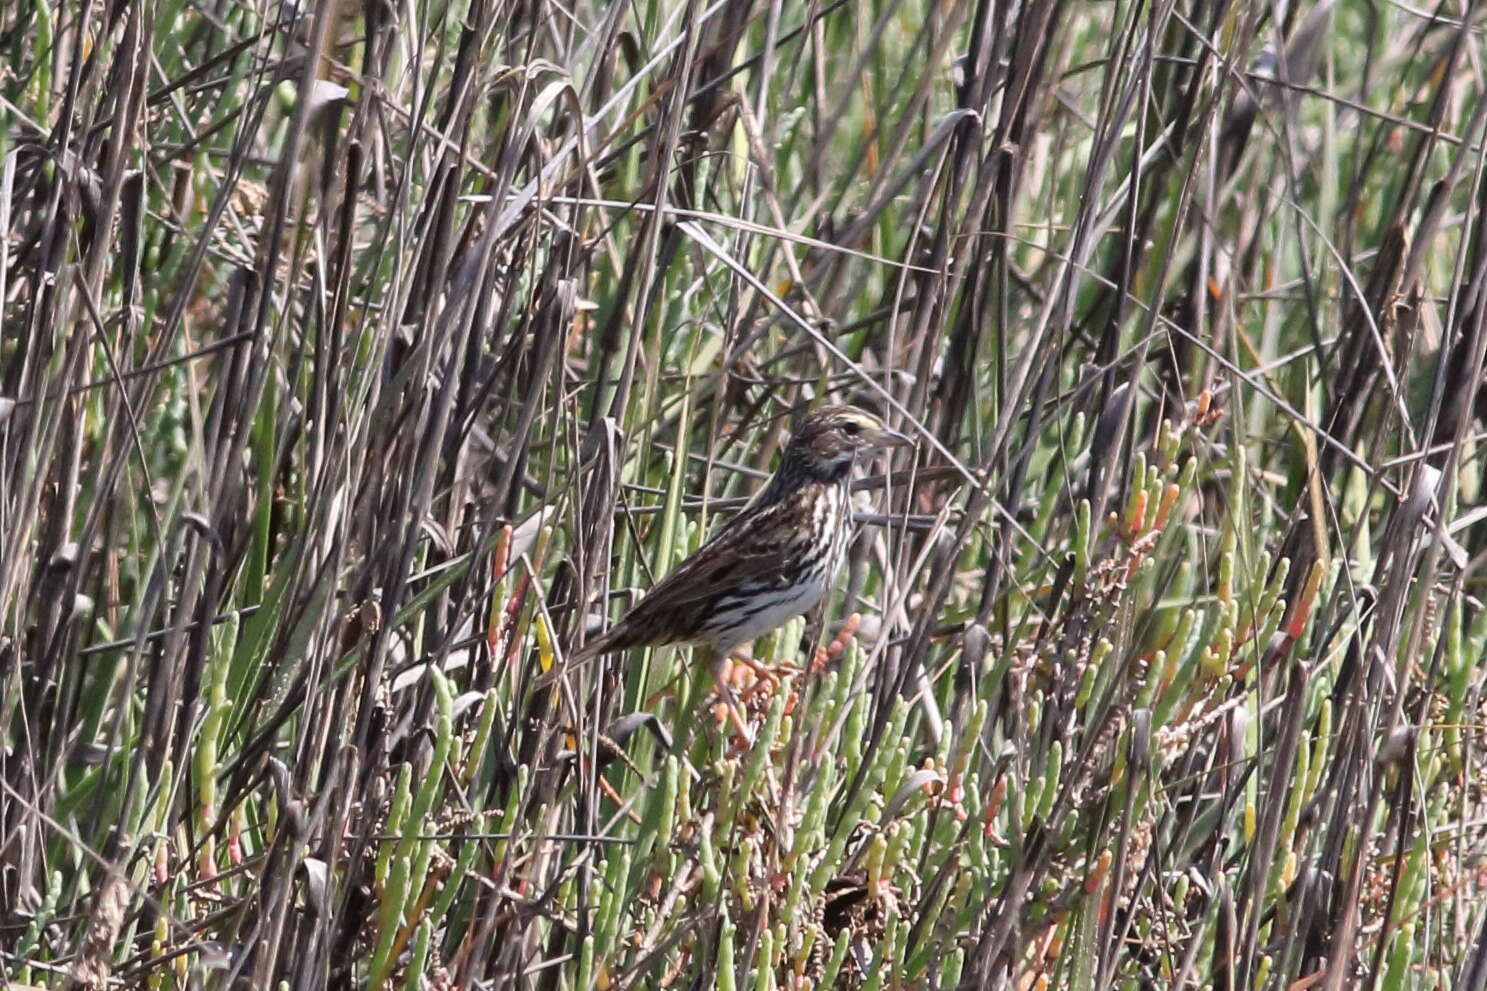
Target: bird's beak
pixel 891 438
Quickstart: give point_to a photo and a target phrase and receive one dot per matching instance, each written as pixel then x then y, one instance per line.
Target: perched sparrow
pixel 770 563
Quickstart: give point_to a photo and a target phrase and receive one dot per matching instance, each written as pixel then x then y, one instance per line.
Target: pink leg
pixel 719 667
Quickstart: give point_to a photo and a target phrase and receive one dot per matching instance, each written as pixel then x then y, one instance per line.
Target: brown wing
pixel 754 544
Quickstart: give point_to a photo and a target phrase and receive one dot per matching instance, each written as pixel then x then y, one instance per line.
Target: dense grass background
pixel 359 359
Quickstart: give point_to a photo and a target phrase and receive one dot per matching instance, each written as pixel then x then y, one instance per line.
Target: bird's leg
pixel 720 666
pixel 762 670
pixel 771 673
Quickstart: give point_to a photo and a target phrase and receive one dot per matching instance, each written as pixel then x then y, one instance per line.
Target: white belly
pixel 769 612
pixel 756 609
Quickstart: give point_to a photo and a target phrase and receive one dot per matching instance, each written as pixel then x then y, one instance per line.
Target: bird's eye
pixel 852 428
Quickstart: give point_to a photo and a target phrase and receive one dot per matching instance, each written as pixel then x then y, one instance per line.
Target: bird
pixel 773 561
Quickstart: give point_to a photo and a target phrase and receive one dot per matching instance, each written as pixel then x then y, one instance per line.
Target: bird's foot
pixel 766 674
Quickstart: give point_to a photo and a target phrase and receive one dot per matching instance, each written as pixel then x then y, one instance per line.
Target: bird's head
pixel 828 440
